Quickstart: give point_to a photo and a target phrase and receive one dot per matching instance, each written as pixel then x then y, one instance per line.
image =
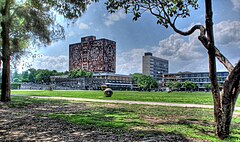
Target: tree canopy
pixel 144 81
pixel 25 23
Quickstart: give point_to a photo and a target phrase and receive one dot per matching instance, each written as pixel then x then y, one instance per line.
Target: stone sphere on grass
pixel 108 92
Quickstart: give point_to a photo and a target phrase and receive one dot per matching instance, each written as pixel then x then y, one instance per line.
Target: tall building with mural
pixel 95 55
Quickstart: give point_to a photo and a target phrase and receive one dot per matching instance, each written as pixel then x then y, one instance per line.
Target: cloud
pixel 227 32
pixel 186 53
pixel 236 5
pixel 130 62
pixel 114 17
pixel 70 34
pixel 176 48
pixel 83 26
pixel 59 63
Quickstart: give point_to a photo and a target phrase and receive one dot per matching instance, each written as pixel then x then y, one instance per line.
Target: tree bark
pixel 6 84
pixel 212 60
pixel 230 93
pixel 224 104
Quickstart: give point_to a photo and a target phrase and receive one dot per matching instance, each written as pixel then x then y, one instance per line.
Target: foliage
pixel 145 82
pixel 76 73
pixel 207 86
pixel 36 76
pixel 188 85
pixel 174 85
pixel 164 10
pixel 25 23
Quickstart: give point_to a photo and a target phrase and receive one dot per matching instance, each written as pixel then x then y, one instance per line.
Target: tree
pixel 178 85
pixel 28 22
pixel 79 73
pixel 170 85
pixel 207 86
pixel 188 85
pixel 167 12
pixel 174 85
pixel 144 81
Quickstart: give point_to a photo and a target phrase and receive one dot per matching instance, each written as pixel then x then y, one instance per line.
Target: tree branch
pixel 189 32
pixel 221 58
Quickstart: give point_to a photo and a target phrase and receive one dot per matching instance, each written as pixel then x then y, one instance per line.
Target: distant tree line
pixel 187 85
pixel 79 73
pixel 36 76
pixel 43 75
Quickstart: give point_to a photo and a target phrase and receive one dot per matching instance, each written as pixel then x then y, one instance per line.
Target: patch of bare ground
pixel 29 123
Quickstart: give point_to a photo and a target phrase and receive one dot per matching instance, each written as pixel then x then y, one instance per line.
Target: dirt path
pixel 131 102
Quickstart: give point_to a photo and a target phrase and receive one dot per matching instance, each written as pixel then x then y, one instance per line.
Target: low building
pixel 200 78
pixel 114 81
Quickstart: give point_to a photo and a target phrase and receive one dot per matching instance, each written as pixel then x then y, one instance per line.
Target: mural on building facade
pixel 93 55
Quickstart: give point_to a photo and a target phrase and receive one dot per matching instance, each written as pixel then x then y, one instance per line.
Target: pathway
pixel 131 102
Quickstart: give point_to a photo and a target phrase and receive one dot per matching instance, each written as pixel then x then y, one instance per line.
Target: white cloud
pixel 83 26
pixel 70 34
pixel 130 62
pixel 114 17
pixel 227 32
pixel 236 5
pixel 59 63
pixel 186 53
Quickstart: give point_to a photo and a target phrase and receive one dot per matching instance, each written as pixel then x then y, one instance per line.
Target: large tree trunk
pixel 230 94
pixel 224 104
pixel 6 84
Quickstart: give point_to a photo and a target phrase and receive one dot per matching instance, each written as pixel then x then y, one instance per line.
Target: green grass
pixel 190 123
pixel 174 97
pixel 24 101
pixel 139 120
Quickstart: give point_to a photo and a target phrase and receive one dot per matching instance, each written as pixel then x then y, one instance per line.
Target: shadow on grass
pixel 118 121
pixel 93 125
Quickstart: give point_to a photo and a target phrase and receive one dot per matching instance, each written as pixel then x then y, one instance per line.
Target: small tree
pixel 166 13
pixel 188 85
pixel 178 85
pixel 207 86
pixel 145 82
pixel 170 85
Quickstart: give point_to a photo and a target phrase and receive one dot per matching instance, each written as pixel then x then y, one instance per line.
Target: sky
pixel 133 38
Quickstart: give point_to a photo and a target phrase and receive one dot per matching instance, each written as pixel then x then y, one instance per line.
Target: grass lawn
pixel 173 97
pixel 141 120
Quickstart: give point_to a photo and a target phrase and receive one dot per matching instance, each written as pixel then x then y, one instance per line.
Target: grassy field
pixel 141 120
pixel 173 97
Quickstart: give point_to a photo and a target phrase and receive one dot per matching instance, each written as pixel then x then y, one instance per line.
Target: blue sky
pixel 136 37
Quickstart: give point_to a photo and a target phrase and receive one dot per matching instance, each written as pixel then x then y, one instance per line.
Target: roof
pixel 111 74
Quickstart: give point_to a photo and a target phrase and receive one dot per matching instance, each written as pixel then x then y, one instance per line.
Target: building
pixel 114 81
pixel 154 66
pixel 91 54
pixel 200 78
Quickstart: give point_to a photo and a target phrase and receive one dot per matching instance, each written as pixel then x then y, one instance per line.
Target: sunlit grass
pixel 139 120
pixel 173 97
pixel 192 123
